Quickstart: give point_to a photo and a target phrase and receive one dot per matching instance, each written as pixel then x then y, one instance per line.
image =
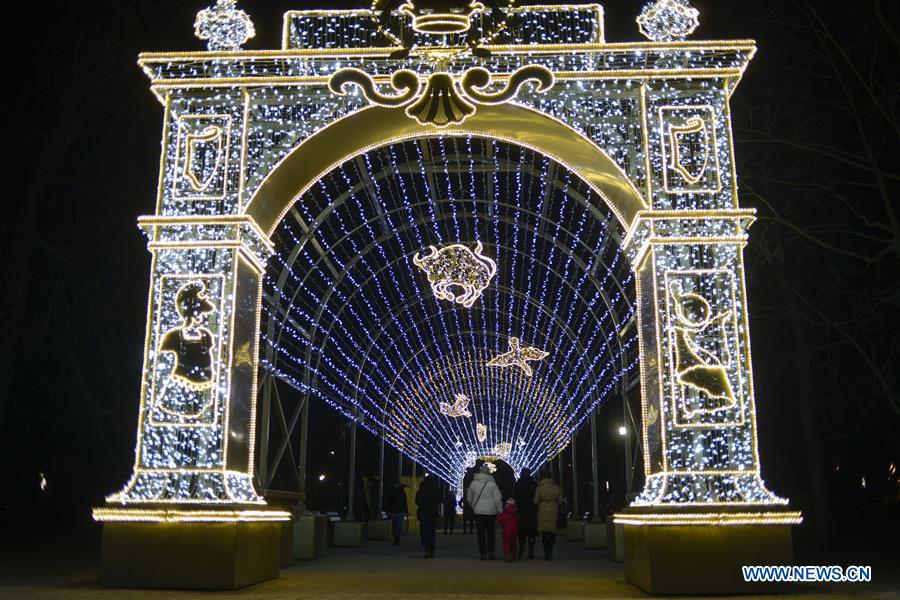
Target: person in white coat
pixel 486 501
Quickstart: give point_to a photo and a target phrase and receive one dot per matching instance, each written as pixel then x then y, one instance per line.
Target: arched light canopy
pixel 352 316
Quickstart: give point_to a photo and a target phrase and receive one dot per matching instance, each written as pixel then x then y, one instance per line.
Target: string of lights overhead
pixel 356 312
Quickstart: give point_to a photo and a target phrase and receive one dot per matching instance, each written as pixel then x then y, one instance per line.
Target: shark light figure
pixel 460 408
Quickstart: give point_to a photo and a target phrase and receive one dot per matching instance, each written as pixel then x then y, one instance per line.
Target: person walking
pixel 468 519
pixel 523 493
pixel 509 522
pixel 486 502
pixel 468 516
pixel 548 498
pixel 449 511
pixel 396 506
pixel 428 499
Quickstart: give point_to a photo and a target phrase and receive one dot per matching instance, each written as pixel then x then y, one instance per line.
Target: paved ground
pixel 381 571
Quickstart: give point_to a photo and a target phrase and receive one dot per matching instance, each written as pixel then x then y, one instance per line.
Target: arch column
pixel 704 508
pixel 192 492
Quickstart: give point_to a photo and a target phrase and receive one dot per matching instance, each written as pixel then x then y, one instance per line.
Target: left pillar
pixel 190 516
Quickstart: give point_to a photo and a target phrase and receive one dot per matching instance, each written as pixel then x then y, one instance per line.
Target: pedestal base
pixel 595 535
pixel 310 537
pixel 379 530
pixel 349 534
pixel 208 556
pixel 702 559
pixel 615 541
pixel 575 531
pixel 287 543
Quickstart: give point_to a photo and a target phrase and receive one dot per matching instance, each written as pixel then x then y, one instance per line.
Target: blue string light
pixel 356 325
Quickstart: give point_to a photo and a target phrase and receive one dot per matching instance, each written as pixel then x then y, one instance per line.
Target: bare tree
pixel 822 165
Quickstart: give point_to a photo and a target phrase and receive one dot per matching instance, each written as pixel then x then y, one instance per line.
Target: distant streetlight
pixel 623 431
pixel 322 477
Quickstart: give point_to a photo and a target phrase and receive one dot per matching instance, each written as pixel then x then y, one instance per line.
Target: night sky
pixel 817 139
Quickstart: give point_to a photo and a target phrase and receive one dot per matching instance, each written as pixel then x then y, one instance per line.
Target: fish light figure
pixel 518 357
pixel 456 266
pixel 460 408
pixel 503 449
pixel 695 366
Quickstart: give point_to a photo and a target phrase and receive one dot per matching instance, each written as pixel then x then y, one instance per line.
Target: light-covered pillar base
pixel 225 554
pixel 670 550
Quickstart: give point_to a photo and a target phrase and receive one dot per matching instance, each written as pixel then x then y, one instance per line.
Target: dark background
pixel 816 135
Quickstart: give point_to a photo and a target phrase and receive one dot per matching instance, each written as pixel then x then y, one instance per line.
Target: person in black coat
pixel 395 504
pixel 449 511
pixel 523 493
pixel 429 500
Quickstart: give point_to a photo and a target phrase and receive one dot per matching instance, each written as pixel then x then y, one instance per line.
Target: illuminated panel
pixel 349 29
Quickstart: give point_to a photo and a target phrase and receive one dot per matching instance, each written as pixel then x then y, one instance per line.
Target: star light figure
pixel 223 26
pixel 668 20
pixel 518 357
pixel 460 408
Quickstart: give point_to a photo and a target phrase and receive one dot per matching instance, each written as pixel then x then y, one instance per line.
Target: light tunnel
pixel 350 319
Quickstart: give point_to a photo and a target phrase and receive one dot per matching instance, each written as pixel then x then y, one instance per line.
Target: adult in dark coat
pixel 429 500
pixel 468 517
pixel 395 504
pixel 523 493
pixel 449 511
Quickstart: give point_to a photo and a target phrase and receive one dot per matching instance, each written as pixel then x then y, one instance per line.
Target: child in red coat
pixel 509 520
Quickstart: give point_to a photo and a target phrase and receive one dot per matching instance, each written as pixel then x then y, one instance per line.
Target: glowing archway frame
pixel 378 126
pixel 691 234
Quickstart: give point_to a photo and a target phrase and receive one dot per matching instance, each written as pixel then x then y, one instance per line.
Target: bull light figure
pixel 456 266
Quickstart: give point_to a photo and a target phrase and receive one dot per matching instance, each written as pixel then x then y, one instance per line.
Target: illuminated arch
pixel 377 126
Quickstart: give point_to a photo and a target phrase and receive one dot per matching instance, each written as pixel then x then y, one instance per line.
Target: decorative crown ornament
pixel 223 26
pixel 441 16
pixel 668 20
